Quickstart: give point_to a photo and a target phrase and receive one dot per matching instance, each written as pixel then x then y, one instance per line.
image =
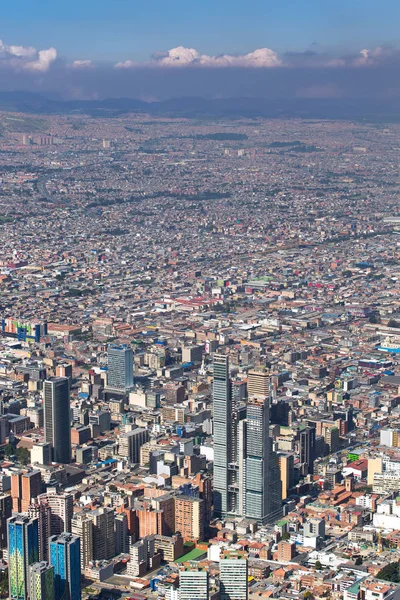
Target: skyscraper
pixel 120 368
pixel 131 442
pixel 5 513
pixel 222 407
pixel 57 430
pixel 23 551
pixel 263 484
pixel 82 526
pixel 41 581
pixel 258 383
pixel 307 449
pixel 103 533
pixel 61 508
pixel 233 576
pixel 25 485
pixel 193 585
pixel 41 512
pixel 64 552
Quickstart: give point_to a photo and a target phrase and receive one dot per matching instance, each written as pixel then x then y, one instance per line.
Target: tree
pixel 307 595
pixel 9 450
pixel 23 455
pixel 285 536
pixel 358 561
pixel 4 585
pixel 374 318
pixel 390 572
pixel 393 323
pixel 318 565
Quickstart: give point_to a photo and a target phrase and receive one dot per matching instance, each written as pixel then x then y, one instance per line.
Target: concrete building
pixel 82 526
pixel 103 533
pixel 189 517
pixel 233 576
pixel 193 584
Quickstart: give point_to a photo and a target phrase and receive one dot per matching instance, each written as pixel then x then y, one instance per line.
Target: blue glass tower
pixel 23 550
pixel 64 552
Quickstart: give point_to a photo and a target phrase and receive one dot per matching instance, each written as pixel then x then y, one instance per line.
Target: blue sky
pixel 134 29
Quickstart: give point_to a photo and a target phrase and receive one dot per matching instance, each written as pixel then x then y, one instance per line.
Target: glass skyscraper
pixel 263 484
pixel 57 430
pixel 41 581
pixel 23 551
pixel 120 368
pixel 64 552
pixel 222 409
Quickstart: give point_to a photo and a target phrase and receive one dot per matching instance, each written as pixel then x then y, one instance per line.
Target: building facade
pixel 57 431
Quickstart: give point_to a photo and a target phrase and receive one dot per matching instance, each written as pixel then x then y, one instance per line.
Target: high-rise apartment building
pixel 41 581
pixel 61 508
pixel 25 485
pixel 57 430
pixel 131 442
pixel 233 578
pixel 193 585
pixel 222 408
pixel 23 551
pixel 263 484
pixel 189 517
pixel 82 526
pixel 103 533
pixel 121 533
pixel 258 382
pixel 41 512
pixel 120 368
pixel 64 553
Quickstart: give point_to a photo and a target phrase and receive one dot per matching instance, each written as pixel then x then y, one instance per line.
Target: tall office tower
pixel 193 584
pixel 103 533
pixel 120 368
pixel 24 487
pixel 5 513
pixel 263 484
pixel 57 430
pixel 241 467
pixel 307 449
pixel 64 552
pixel 82 526
pixel 222 408
pixel 233 576
pixel 23 551
pixel 61 507
pixel 121 533
pixel 286 468
pixel 131 442
pixel 41 512
pixel 41 581
pixel 258 383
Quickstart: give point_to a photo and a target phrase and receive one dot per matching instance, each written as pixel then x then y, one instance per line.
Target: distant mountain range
pixel 193 107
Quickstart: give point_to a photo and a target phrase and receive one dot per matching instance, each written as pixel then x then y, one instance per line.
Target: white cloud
pixel 189 57
pixel 27 57
pixel 82 64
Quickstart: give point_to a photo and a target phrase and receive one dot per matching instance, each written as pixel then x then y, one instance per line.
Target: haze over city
pixel 199 300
